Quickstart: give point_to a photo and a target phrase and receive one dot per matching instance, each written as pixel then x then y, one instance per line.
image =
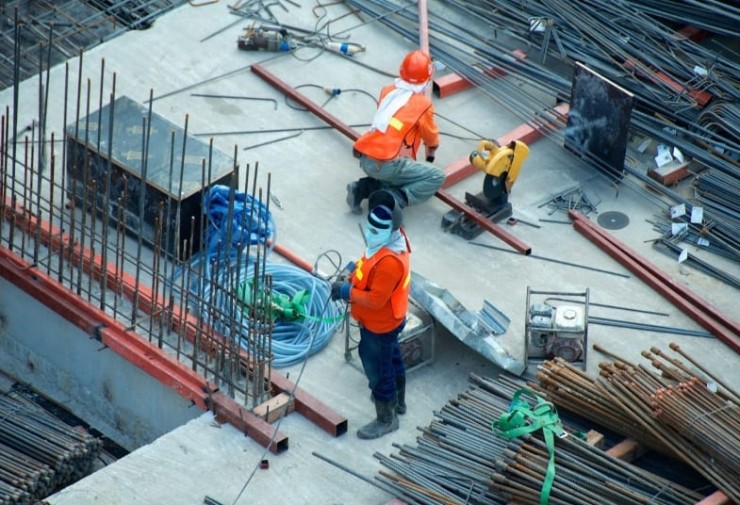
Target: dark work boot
pixel 354 197
pixel 359 190
pixel 385 422
pixel 401 395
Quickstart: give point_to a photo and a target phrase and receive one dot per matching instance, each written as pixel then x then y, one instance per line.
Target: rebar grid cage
pixel 215 314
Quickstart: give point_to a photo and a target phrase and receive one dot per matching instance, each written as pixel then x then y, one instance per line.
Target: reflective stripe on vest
pixel 400 295
pixel 387 146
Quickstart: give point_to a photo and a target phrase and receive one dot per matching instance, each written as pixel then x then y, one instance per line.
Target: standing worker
pixel 377 290
pixel 404 119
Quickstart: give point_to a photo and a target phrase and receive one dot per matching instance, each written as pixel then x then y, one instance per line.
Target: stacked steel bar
pixel 678 407
pixel 38 452
pixel 641 393
pixel 458 460
pixel 711 15
pixel 572 389
pixel 583 475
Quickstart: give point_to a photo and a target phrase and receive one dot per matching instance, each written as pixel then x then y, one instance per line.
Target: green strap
pixel 282 306
pixel 522 419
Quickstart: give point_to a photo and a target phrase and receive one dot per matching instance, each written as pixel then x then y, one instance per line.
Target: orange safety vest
pixel 402 131
pixel 394 311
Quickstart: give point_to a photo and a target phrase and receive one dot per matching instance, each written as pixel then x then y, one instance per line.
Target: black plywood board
pixel 101 152
pixel 598 121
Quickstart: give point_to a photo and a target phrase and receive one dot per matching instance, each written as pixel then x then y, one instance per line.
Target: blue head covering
pixel 378 229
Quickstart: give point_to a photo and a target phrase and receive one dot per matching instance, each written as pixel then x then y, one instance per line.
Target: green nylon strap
pixel 282 306
pixel 521 419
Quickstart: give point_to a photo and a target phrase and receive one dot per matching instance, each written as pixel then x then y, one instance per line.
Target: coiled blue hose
pixel 292 340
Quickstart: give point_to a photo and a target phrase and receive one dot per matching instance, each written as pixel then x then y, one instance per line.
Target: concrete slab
pixel 308 175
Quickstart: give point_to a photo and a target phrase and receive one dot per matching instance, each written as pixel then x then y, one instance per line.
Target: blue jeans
pixel 381 358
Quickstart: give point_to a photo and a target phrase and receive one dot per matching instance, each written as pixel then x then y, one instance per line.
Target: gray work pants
pixel 418 180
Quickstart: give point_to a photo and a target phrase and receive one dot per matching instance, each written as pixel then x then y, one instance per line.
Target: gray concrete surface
pixel 309 174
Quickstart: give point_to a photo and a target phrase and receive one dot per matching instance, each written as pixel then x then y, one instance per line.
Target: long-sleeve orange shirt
pixel 379 293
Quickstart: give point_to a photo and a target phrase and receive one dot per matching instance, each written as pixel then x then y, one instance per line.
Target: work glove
pixel 347 271
pixel 340 290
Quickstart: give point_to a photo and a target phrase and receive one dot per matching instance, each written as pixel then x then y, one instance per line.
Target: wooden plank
pixel 626 450
pixel 274 408
pixel 595 439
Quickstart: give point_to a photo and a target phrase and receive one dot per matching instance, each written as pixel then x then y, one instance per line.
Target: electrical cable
pixel 331 91
pixel 296 295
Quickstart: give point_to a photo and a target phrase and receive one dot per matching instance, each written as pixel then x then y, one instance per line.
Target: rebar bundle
pixel 584 475
pixel 38 452
pixel 459 460
pixel 570 388
pixel 677 408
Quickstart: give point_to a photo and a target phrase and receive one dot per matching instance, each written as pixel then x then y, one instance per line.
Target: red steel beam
pixel 701 311
pixel 693 33
pixel 182 321
pixel 104 328
pixel 483 222
pixel 312 106
pixel 293 94
pixel 293 258
pixel 716 498
pixel 225 409
pixel 657 76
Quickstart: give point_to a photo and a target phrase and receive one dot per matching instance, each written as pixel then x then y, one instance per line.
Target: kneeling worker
pixel 387 152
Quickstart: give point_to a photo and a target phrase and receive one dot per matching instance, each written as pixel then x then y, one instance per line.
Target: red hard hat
pixel 416 67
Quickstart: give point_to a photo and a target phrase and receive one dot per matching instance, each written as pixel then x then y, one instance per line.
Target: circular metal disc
pixel 613 220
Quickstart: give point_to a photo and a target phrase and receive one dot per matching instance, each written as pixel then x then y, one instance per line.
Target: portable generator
pixel 557 329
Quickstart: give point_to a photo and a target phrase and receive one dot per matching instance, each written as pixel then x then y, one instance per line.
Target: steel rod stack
pixel 642 393
pixel 572 389
pixel 678 408
pixel 459 460
pixel 38 452
pixel 583 475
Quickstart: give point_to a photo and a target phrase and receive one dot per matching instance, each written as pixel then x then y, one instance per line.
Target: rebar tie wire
pixel 522 420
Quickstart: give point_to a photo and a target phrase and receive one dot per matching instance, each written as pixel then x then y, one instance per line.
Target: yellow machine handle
pixel 498 160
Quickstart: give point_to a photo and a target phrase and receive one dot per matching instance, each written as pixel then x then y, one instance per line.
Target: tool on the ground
pixel 501 165
pixel 278 38
pixel 267 39
pixel 557 331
